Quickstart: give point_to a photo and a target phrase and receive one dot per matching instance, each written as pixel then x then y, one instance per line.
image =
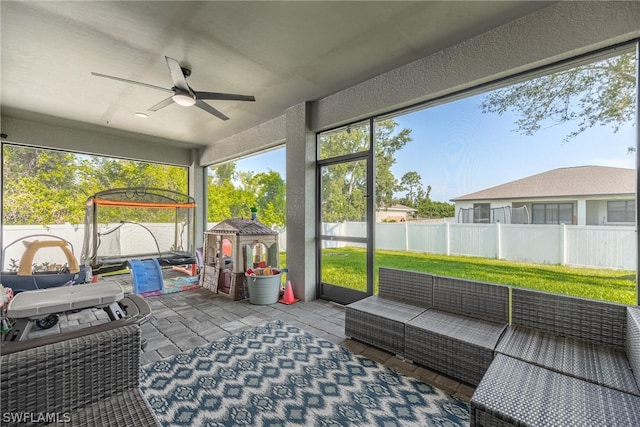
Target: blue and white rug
pixel 279 375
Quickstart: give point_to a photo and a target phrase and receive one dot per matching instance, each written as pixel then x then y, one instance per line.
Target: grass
pixel 347 267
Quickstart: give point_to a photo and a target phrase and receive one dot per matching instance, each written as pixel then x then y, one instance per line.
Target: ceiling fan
pixel 182 94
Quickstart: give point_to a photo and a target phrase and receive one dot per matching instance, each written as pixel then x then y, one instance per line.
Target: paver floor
pixel 183 320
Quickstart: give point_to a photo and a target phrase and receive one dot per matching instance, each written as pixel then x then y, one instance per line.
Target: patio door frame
pixel 334 292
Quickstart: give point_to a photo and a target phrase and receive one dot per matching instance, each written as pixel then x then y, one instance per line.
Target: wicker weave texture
pixel 471 298
pixel 633 341
pixel 126 409
pixel 380 322
pixel 518 393
pixel 598 322
pixel 411 286
pixel 458 346
pixel 71 374
pixel 591 362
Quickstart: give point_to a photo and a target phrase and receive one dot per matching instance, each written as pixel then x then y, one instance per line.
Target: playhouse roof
pixel 241 226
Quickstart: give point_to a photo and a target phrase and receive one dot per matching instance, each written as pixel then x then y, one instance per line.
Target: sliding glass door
pixel 344 228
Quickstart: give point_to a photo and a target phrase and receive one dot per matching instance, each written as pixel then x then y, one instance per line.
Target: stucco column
pixel 197 190
pixel 301 201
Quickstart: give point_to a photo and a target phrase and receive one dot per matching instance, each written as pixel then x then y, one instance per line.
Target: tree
pixel 232 193
pixel 411 183
pixel 429 209
pixel 598 93
pixel 387 144
pixel 40 187
pixel 269 190
pixel 50 187
pixel 344 184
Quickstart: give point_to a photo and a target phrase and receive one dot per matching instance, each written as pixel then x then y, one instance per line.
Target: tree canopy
pixel 343 185
pixel 597 93
pixel 232 193
pixel 51 187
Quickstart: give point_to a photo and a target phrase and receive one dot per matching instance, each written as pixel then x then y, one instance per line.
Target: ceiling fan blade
pixel 177 76
pixel 209 109
pixel 120 79
pixel 224 96
pixel 161 104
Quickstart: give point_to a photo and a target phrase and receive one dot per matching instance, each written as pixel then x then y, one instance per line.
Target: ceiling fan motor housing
pixel 185 99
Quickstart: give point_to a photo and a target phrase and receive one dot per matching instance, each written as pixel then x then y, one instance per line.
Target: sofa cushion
pixel 599 322
pixel 459 346
pixel 486 301
pixel 408 286
pixel 591 362
pixel 514 392
pixel 380 322
pixel 476 332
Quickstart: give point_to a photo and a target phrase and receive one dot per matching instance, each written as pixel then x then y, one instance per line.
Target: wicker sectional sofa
pixel 451 325
pixel 538 359
pixel 563 361
pixel 88 377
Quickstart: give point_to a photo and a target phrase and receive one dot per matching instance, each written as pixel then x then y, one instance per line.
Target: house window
pixel 481 213
pixel 621 211
pixel 552 213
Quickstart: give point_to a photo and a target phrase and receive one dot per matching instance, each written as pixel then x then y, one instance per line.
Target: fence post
pixel 406 236
pixel 563 244
pixel 498 240
pixel 447 239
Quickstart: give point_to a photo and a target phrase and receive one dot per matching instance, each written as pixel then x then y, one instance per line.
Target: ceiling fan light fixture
pixel 184 99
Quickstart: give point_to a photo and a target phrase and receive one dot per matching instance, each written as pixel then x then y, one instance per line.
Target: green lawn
pixel 347 267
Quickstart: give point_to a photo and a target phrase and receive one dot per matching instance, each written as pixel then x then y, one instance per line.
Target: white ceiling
pixel 283 53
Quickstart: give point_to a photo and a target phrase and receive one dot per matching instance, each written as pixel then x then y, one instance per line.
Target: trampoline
pixel 138 223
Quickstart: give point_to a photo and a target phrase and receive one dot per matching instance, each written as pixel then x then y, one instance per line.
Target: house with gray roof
pixel 581 195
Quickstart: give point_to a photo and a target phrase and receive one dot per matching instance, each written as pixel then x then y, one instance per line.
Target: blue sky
pixel 462 150
pixel 458 150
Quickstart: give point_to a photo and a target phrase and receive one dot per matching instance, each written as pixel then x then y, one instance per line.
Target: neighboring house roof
pixel 397 208
pixel 563 182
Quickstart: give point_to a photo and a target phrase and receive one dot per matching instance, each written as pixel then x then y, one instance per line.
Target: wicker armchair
pixel 90 378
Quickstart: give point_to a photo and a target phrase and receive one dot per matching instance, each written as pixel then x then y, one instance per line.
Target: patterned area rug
pixel 277 375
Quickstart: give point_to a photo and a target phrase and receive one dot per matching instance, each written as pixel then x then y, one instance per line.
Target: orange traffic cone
pixel 288 298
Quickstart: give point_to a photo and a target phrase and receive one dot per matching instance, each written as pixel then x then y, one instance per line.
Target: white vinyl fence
pixel 581 246
pixel 125 240
pixel 585 246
